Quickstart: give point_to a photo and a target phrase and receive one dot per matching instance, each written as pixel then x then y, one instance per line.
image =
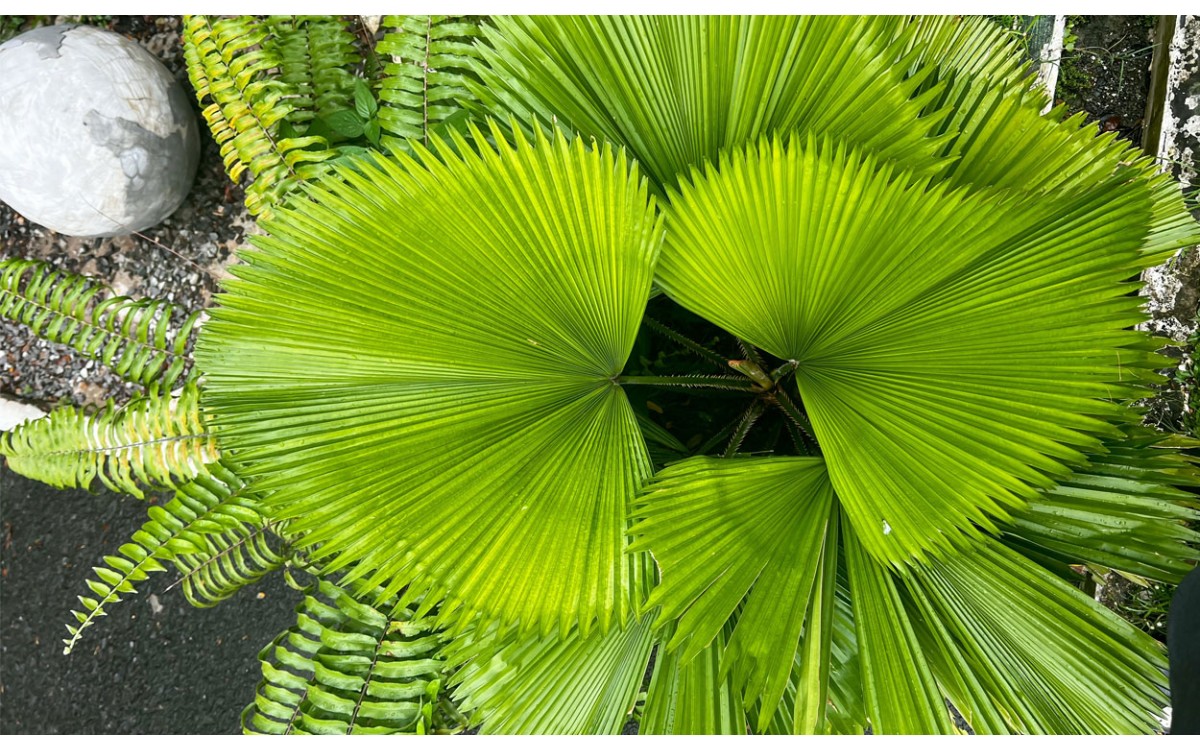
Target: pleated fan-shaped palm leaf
pixel 975 358
pixel 420 381
pixel 952 352
pixel 676 90
pixel 479 450
pixel 509 683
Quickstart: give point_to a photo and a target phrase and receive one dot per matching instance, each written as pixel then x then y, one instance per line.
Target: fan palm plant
pixel 421 380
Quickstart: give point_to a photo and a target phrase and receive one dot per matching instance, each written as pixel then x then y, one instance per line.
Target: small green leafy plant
pixel 906 289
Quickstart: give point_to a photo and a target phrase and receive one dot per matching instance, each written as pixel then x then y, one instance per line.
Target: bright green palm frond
pixel 480 448
pixel 953 350
pixel 998 137
pixel 1126 509
pixel 693 697
pixel 844 709
pixel 974 46
pixel 1036 654
pixel 427 63
pixel 155 441
pixel 188 531
pixel 347 667
pixel 552 684
pixel 899 689
pixel 676 90
pixel 748 532
pixel 144 341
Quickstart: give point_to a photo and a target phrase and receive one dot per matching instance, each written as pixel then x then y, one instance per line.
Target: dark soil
pixel 153 665
pixel 1106 73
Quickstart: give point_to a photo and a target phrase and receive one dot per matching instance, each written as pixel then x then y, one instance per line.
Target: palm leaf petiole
pixel 719 382
pixel 753 370
pixel 781 372
pixel 695 347
pixel 748 418
pixel 797 417
pixel 713 441
pixel 752 353
pixel 804 446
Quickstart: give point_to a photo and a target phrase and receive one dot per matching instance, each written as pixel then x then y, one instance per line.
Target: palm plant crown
pixel 423 375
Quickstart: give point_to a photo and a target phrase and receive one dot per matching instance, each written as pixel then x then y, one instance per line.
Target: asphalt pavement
pixel 152 666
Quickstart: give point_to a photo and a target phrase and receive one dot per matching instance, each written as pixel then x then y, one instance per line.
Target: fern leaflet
pixel 144 341
pixel 423 84
pixel 191 531
pixel 156 440
pixel 347 667
pixel 316 58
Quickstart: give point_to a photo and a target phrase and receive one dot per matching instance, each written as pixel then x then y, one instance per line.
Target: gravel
pixel 181 260
pixel 155 664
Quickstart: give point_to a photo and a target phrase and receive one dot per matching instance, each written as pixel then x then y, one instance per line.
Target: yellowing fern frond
pixel 155 441
pixel 244 105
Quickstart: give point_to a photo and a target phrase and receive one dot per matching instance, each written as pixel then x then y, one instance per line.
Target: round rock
pixel 96 137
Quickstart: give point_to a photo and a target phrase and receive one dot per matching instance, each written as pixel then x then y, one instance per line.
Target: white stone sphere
pixel 96 136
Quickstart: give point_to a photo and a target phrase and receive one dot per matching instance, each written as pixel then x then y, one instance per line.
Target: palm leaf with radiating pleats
pixel 440 410
pixel 974 46
pixel 844 708
pixel 420 368
pixel 676 90
pixel 1128 509
pixel 1041 656
pixel 998 138
pixel 954 350
pixel 573 684
pixel 899 690
pixel 747 535
pixel 692 696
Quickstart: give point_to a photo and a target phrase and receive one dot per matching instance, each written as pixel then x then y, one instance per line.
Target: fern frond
pixel 190 531
pixel 423 84
pixel 316 56
pixel 145 341
pixel 348 668
pixel 226 560
pixel 244 106
pixel 157 441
